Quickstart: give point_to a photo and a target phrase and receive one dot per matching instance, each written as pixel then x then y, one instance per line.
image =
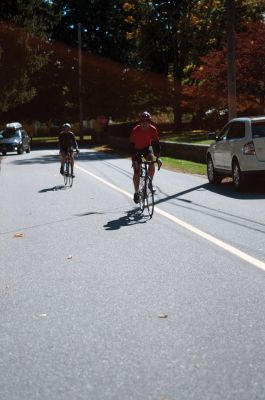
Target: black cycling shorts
pixel 143 153
pixel 65 150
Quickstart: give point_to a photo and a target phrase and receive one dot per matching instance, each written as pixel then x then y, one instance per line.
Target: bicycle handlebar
pixel 152 162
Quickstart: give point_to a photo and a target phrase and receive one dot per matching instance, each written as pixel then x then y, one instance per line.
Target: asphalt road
pixel 98 302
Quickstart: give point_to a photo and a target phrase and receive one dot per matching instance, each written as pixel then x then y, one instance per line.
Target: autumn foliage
pixel 209 79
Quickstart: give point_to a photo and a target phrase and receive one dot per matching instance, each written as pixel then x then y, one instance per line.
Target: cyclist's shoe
pixel 136 197
pixel 73 175
pixel 61 170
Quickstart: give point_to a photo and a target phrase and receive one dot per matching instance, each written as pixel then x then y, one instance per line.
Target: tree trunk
pixel 177 76
pixel 231 70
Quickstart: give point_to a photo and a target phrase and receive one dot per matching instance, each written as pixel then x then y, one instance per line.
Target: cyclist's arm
pixel 131 148
pixel 155 142
pixel 132 151
pixel 61 143
pixel 60 140
pixel 75 145
pixel 132 144
pixel 157 148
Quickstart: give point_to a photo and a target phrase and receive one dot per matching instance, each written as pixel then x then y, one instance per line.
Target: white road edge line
pixel 233 250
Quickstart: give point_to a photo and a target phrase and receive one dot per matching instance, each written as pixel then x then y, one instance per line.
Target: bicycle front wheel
pixel 70 180
pixel 150 197
pixel 66 174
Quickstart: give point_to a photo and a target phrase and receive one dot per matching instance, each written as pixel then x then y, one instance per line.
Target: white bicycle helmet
pixel 67 125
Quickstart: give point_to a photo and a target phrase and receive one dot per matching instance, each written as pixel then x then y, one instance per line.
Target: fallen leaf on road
pixel 17 235
pixel 41 315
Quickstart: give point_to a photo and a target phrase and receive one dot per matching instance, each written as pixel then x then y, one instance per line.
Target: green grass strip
pixel 184 166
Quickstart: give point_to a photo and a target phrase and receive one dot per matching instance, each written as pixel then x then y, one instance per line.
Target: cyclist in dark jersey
pixel 144 142
pixel 67 144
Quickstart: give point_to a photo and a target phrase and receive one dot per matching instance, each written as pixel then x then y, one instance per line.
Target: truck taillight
pixel 249 149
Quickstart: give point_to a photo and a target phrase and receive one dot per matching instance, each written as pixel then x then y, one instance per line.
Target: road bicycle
pixel 146 190
pixel 67 176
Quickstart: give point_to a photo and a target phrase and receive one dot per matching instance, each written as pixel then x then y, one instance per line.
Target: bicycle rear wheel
pixel 150 197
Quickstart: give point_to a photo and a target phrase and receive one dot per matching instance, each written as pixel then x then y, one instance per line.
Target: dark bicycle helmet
pixel 67 125
pixel 145 116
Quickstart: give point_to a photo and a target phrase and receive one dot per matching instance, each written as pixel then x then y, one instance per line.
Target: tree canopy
pixel 156 55
pixel 24 26
pixel 211 74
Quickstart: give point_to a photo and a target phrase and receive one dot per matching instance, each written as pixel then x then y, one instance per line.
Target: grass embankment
pixel 188 167
pixel 195 136
pixel 173 164
pixel 53 139
pixel 44 140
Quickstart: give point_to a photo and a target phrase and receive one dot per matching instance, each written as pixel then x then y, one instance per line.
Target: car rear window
pixel 9 133
pixel 258 129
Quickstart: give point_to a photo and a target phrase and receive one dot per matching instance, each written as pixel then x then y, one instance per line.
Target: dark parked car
pixel 14 138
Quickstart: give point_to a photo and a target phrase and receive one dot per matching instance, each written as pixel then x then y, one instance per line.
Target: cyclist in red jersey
pixel 144 142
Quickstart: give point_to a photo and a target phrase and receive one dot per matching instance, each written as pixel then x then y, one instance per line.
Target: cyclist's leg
pixel 72 161
pixel 136 171
pixel 136 181
pixel 63 156
pixel 136 176
pixel 150 157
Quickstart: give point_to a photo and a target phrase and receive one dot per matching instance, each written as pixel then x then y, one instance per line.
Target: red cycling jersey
pixel 142 138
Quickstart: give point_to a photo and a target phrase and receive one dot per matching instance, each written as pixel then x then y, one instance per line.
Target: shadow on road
pixel 54 189
pixel 54 158
pixel 45 159
pixel 256 191
pixel 131 217
pixel 90 213
pixel 52 222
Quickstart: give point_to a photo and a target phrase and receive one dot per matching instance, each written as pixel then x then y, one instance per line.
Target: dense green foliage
pixel 24 26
